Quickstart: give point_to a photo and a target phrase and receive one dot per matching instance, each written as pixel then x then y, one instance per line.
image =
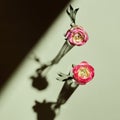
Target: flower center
pixel 84 72
pixel 77 38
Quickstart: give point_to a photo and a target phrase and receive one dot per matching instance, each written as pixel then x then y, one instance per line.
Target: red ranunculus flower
pixel 83 73
pixel 77 36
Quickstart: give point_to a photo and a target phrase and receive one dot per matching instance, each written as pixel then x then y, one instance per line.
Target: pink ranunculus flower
pixel 83 73
pixel 77 36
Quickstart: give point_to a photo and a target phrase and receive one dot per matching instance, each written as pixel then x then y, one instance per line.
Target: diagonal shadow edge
pixel 22 24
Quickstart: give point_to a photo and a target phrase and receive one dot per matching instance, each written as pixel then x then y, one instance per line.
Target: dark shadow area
pixel 44 110
pixel 22 23
pixel 39 82
pixel 49 110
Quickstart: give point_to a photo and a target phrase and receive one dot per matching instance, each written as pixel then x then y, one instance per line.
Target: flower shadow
pixel 39 82
pixel 44 110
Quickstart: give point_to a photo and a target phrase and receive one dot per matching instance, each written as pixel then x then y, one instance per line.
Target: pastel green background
pixel 98 100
